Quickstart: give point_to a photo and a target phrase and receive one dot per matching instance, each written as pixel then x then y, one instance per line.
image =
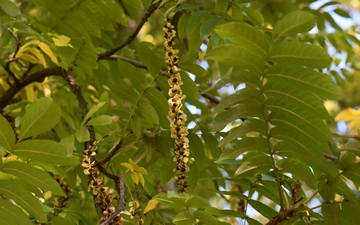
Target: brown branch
pixel 12 59
pixel 290 211
pixel 111 154
pixel 132 36
pixel 35 77
pixel 142 65
pixel 121 205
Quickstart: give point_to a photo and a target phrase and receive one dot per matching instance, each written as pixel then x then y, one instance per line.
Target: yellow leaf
pixel 30 58
pixel 26 47
pixel 45 48
pixel 354 124
pixel 36 52
pixel 135 177
pixel 141 178
pixel 347 115
pixel 142 170
pixel 127 165
pixel 151 205
pixel 60 40
pixel 30 93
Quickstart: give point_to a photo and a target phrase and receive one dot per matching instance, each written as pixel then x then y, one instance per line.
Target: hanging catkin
pixel 179 130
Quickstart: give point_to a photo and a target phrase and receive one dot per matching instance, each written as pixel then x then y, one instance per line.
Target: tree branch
pixel 35 77
pixel 142 65
pixel 111 154
pixel 12 59
pixel 132 36
pixel 121 205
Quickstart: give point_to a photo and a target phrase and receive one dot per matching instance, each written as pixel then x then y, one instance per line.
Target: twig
pixel 35 77
pixel 132 36
pixel 111 153
pixel 121 205
pixel 290 211
pixel 142 65
pixel 12 59
pixel 331 157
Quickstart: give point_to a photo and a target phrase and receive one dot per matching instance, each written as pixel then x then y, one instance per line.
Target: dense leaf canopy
pixel 179 112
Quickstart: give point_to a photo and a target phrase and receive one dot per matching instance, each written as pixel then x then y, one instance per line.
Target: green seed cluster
pixel 179 130
pixel 101 194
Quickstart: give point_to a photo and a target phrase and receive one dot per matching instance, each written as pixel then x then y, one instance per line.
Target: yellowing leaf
pixel 30 58
pixel 348 115
pixel 30 93
pixel 135 177
pixel 60 40
pixel 45 48
pixel 127 165
pixel 26 47
pixel 36 52
pixel 151 205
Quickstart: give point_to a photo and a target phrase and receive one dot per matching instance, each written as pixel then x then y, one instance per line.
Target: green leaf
pixel 91 112
pixel 13 212
pixel 255 16
pixel 340 187
pixel 114 10
pixel 195 19
pixel 197 202
pixel 152 62
pixel 353 173
pixel 250 125
pixel 189 87
pixel 7 136
pixel 303 98
pixel 148 111
pixel 46 151
pixel 252 221
pixel 294 23
pixel 263 209
pixel 208 27
pixel 245 95
pixel 269 189
pixel 236 55
pixel 169 201
pixel 136 126
pixel 303 152
pixel 10 8
pixel 252 164
pixel 350 212
pixel 32 175
pixel 246 144
pixel 40 116
pixel 236 77
pixel 292 110
pixel 352 147
pixel 134 74
pixel 197 150
pixel 298 169
pixel 192 68
pixel 5 219
pixel 124 91
pixel 157 99
pixel 332 214
pixel 304 78
pixel 240 111
pixel 183 218
pixel 100 120
pixel 82 134
pixel 133 7
pixel 245 36
pixel 23 198
pixel 300 53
